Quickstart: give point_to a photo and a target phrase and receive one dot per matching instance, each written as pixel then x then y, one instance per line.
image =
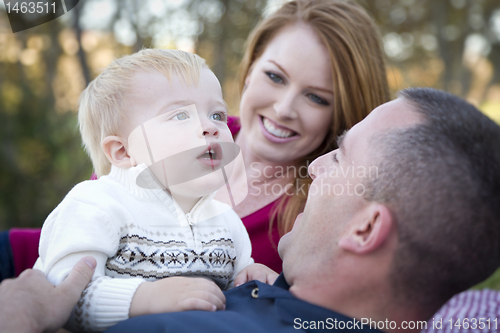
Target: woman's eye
pixel 334 156
pixel 274 77
pixel 181 116
pixel 318 100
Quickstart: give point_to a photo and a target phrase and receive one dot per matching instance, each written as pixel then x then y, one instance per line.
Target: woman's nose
pixel 285 106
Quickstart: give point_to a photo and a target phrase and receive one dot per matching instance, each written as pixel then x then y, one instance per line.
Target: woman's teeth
pixel 280 133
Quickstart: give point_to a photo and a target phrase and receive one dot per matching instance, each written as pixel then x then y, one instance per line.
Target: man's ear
pixel 372 233
pixel 115 151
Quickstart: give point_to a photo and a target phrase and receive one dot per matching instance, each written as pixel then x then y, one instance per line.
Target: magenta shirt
pixel 264 248
pixel 24 242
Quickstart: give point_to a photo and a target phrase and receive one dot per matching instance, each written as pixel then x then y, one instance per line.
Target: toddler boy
pixel 154 125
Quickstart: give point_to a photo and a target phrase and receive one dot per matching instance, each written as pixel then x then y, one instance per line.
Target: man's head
pixel 441 180
pixel 419 209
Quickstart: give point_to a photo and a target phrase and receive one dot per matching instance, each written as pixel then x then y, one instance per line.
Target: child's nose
pixel 210 130
pixel 212 133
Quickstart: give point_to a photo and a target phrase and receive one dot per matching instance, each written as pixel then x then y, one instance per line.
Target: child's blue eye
pixel 181 116
pixel 218 117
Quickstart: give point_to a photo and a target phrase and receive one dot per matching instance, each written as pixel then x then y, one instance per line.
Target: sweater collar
pixel 138 181
pixel 142 184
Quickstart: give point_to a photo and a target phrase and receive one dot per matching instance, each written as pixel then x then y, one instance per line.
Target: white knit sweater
pixel 136 234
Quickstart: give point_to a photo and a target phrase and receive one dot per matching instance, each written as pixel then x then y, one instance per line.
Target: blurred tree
pixel 38 145
pixel 82 57
pixel 226 25
pixel 452 45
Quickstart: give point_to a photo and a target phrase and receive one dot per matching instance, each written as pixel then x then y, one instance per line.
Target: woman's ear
pixel 116 152
pixel 372 233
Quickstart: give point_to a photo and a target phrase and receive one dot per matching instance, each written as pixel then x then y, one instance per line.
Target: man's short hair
pixel 441 181
pixel 103 104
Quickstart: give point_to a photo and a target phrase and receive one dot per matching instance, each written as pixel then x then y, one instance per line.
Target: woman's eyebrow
pixel 279 66
pixel 322 89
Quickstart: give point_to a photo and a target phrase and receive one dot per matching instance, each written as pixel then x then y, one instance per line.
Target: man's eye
pixel 181 116
pixel 274 77
pixel 318 100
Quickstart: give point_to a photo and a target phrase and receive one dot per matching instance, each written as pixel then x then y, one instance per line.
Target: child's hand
pixel 177 294
pixel 257 272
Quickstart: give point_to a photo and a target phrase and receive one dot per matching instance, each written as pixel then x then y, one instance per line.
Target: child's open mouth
pixel 211 156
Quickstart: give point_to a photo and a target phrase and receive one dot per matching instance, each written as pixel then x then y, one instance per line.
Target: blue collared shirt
pixel 252 307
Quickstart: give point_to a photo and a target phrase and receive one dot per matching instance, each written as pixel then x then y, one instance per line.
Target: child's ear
pixel 116 152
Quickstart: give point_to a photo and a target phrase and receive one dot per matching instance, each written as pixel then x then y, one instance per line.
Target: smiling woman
pixel 286 110
pixel 310 71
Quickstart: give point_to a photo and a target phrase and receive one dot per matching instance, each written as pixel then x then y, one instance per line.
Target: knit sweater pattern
pixel 137 233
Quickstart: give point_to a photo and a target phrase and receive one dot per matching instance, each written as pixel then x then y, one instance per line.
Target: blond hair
pixel 359 75
pixel 103 105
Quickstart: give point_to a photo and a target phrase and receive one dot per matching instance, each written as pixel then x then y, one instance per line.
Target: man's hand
pixel 31 303
pixel 257 272
pixel 177 294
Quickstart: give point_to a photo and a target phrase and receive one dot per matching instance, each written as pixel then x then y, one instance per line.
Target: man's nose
pixel 311 168
pixel 319 166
